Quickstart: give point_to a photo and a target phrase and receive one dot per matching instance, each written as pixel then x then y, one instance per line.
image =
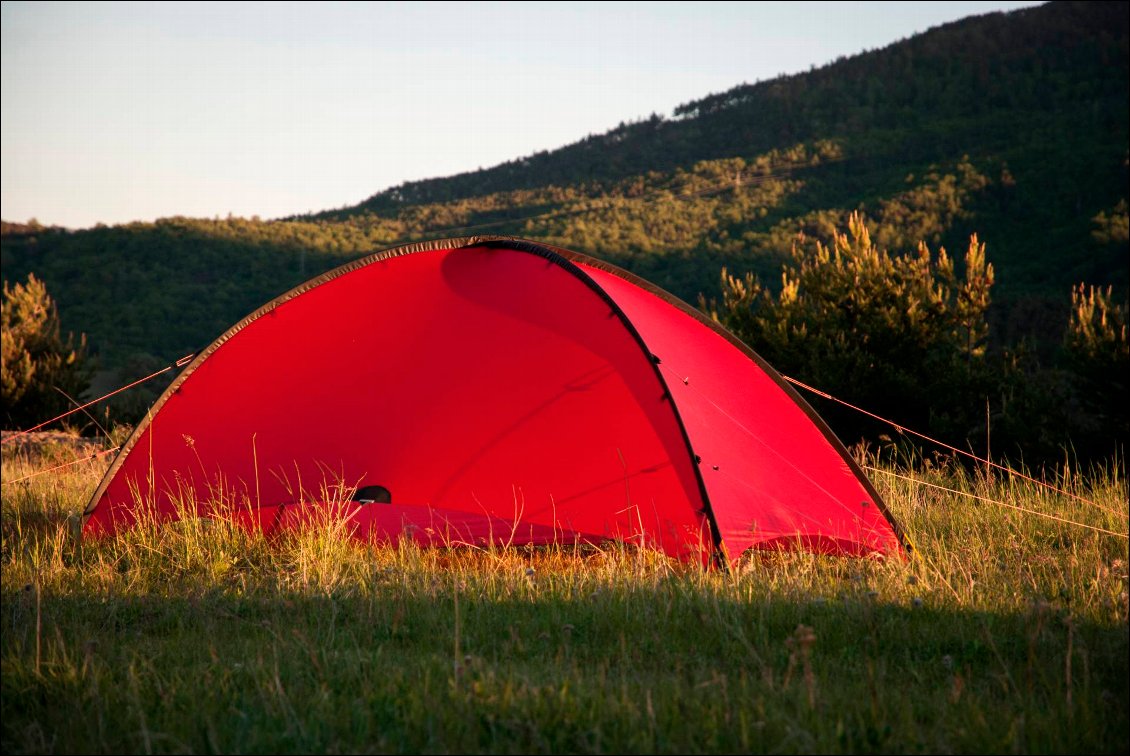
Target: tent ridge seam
pixel 568 260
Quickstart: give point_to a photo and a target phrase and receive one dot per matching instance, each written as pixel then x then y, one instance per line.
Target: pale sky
pixel 114 112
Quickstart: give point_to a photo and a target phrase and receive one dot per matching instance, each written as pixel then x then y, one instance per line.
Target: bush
pixel 1097 352
pixel 901 335
pixel 42 373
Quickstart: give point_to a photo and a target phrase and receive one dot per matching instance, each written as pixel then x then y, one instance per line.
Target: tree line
pixel 902 333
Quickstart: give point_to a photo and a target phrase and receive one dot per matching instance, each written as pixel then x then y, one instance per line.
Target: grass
pixel 1008 633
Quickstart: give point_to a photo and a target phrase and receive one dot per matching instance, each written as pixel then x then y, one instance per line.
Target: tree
pixel 41 371
pixel 901 335
pixel 1097 350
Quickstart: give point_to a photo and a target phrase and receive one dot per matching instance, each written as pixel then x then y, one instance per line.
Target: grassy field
pixel 1008 633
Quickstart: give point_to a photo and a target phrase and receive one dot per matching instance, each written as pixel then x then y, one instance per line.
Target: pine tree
pixel 1097 348
pixel 41 371
pixel 903 335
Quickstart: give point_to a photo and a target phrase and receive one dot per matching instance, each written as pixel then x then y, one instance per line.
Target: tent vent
pixel 373 495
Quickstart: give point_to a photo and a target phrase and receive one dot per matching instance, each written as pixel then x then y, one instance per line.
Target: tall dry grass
pixel 1006 633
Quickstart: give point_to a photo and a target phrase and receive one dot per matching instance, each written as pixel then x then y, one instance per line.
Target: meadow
pixel 1007 632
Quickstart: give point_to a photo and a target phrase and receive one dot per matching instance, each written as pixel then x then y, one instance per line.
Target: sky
pixel 118 112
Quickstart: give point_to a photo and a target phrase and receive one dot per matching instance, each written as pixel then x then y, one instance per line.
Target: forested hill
pixel 1011 125
pixel 987 85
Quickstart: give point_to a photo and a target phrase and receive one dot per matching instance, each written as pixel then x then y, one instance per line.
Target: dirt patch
pixel 55 444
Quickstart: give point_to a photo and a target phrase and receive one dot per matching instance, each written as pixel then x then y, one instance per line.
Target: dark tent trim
pixel 569 261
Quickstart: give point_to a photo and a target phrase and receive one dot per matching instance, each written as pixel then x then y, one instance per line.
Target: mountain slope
pixel 968 85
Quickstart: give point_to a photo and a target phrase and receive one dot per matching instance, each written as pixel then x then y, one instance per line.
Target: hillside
pixel 1011 125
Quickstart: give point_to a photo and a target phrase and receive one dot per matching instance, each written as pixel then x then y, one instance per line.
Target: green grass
pixel 1007 633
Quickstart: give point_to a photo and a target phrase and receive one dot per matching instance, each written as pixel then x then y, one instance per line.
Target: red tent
pixel 493 389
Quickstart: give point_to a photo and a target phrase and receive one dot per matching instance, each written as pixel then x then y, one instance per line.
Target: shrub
pixel 42 372
pixel 902 335
pixel 1097 352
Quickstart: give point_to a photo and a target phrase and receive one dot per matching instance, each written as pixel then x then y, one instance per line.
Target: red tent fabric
pixel 496 390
